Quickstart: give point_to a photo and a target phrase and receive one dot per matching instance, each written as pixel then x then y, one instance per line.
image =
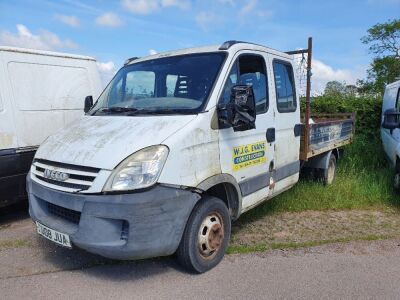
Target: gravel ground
pixel 24 253
pixel 356 270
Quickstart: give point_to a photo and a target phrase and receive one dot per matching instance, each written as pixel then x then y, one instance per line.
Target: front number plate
pixel 52 235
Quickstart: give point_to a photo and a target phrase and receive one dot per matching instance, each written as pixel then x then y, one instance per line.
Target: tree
pixel 384 42
pixel 334 88
pixel 350 90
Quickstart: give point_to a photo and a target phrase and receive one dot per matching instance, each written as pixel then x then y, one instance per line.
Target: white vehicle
pixel 177 146
pixel 40 92
pixel 390 130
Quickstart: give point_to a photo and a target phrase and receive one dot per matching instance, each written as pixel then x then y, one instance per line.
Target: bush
pixel 367 109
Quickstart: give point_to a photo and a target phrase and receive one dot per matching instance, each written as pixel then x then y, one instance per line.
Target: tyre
pixel 328 175
pixel 206 236
pixel 396 183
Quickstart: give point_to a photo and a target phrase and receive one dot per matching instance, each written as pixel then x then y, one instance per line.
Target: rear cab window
pixel 284 86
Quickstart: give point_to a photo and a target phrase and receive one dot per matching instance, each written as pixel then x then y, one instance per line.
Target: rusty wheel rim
pixel 211 235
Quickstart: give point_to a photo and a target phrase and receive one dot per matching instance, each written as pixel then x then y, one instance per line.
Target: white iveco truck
pixel 177 146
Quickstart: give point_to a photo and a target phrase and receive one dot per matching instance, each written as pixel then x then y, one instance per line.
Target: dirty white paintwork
pixel 391 139
pixel 230 140
pixel 104 141
pixel 41 92
pixel 196 151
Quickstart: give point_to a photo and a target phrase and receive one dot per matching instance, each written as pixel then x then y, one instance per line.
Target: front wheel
pixel 206 236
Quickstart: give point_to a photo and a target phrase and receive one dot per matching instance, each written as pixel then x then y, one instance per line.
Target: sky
pixel 112 31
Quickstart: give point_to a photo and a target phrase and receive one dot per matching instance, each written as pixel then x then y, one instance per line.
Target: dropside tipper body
pixel 136 176
pixel 327 132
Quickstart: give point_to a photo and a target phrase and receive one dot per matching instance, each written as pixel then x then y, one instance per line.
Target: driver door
pixel 246 155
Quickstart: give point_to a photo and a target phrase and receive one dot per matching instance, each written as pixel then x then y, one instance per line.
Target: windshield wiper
pixel 165 111
pixel 115 109
pixel 118 109
pixel 131 111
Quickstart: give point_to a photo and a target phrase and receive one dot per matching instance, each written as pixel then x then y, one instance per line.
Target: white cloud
pixel 109 19
pixel 144 7
pixel 107 71
pixel 206 19
pixel 44 40
pixel 68 20
pixel 182 4
pixel 141 7
pixel 322 73
pixel 152 52
pixel 251 9
pixel 248 7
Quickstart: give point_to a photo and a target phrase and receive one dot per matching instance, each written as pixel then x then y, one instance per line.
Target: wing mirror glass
pixel 391 119
pixel 240 112
pixel 88 103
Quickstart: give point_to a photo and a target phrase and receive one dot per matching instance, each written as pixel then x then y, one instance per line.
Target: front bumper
pixel 124 226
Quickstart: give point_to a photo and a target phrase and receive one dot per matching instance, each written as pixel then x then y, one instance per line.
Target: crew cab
pixel 390 129
pixel 178 146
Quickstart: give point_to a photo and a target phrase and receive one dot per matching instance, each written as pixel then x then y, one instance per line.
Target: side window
pixel 230 82
pixel 397 100
pixel 249 70
pixel 285 87
pixel 252 72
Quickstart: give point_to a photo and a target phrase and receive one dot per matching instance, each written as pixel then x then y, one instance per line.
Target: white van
pixel 40 92
pixel 390 130
pixel 177 146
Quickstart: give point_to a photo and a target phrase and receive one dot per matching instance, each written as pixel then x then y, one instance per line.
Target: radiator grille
pixel 64 177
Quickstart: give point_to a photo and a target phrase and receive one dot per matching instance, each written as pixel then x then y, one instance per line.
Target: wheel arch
pixel 224 187
pixel 321 161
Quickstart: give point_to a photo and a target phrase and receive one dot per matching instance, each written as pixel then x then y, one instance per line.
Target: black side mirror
pixel 240 112
pixel 88 103
pixel 391 119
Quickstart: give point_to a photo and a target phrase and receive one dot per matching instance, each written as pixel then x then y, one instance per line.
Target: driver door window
pixel 249 70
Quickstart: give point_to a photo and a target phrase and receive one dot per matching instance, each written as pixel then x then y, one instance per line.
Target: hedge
pixel 367 109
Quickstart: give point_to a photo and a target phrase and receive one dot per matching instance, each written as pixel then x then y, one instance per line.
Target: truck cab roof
pixel 228 46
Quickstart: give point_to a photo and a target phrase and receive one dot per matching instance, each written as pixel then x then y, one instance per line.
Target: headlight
pixel 140 170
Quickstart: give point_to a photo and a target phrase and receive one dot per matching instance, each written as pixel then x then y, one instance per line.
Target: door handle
pixel 270 135
pixel 297 129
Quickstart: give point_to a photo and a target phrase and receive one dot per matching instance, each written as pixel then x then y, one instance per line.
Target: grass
pixel 363 181
pixel 242 249
pixel 12 244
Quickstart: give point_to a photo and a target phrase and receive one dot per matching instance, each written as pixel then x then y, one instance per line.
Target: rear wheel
pixel 397 182
pixel 328 175
pixel 206 236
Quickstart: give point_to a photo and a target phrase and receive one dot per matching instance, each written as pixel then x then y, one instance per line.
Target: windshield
pixel 177 84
